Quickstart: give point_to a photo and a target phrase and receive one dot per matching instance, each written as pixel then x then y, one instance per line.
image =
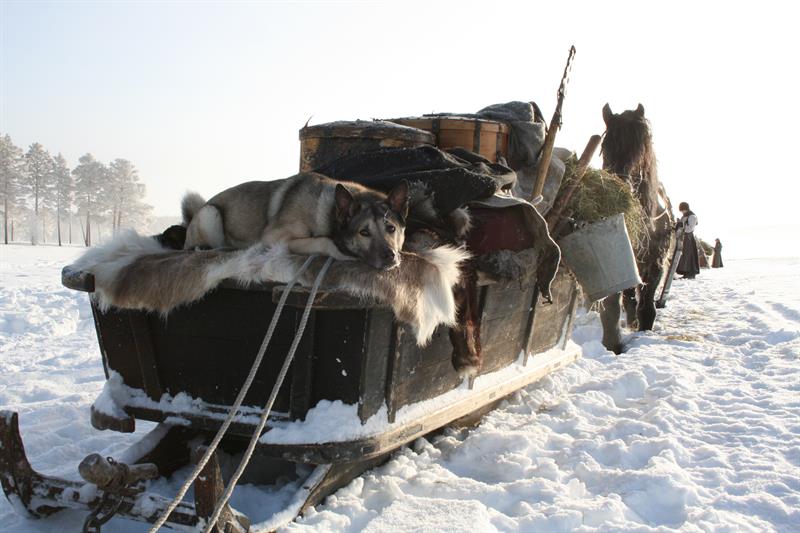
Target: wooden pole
pixel 555 125
pixel 554 216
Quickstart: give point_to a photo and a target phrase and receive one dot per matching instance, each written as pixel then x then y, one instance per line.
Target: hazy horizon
pixel 201 96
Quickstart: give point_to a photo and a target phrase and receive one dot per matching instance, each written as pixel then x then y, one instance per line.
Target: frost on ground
pixel 696 427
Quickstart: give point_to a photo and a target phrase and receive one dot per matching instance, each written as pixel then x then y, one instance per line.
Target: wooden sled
pixel 354 358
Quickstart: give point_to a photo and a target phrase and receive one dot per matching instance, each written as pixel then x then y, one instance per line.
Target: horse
pixel 627 151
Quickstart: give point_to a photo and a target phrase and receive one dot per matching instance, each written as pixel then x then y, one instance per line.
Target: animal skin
pixel 136 272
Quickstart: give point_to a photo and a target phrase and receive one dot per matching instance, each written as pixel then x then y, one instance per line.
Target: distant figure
pixel 701 255
pixel 689 265
pixel 716 262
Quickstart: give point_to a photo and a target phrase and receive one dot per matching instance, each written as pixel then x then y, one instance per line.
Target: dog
pixel 310 213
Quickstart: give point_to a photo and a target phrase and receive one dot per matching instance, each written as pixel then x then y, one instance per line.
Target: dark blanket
pixel 453 178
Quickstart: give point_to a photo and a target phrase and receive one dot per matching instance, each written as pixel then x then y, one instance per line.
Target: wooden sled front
pixel 184 372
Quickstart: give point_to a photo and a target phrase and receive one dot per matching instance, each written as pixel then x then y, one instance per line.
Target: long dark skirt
pixel 689 264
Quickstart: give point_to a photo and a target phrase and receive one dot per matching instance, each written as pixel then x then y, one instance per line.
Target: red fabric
pixel 498 229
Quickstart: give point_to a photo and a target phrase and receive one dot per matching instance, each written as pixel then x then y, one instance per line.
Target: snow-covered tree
pixel 12 169
pixel 39 184
pixel 125 194
pixel 62 180
pixel 90 190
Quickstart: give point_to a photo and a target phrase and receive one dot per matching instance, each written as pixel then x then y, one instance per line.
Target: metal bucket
pixel 601 257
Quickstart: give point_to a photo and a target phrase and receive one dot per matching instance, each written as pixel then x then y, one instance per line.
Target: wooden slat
pixel 302 371
pixel 453 123
pixel 398 435
pixel 550 319
pixel 145 354
pixel 375 362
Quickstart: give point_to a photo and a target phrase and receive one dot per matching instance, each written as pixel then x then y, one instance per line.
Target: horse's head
pixel 627 146
pixel 627 151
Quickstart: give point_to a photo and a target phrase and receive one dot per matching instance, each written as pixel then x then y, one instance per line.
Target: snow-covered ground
pixel 696 427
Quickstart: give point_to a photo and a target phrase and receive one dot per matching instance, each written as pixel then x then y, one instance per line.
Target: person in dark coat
pixel 717 261
pixel 689 265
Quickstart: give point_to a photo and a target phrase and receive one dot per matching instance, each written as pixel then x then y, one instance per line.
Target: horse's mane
pixel 627 151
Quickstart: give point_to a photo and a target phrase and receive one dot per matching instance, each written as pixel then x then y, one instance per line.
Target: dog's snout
pixel 388 255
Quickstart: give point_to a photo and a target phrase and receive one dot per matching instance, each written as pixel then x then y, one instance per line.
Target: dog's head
pixel 372 226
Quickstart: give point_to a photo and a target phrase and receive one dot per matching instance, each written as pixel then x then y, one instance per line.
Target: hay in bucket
pixel 602 194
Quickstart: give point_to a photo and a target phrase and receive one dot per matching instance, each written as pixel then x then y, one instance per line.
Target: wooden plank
pixel 207 422
pixel 399 434
pixel 549 319
pixel 338 352
pixel 302 371
pixel 453 123
pixel 421 373
pixel 115 337
pixel 392 369
pixel 378 331
pixel 208 489
pixel 207 349
pixel 504 339
pixel 145 354
pixel 505 300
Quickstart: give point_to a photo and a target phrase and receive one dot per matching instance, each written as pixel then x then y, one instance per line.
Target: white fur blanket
pixel 136 272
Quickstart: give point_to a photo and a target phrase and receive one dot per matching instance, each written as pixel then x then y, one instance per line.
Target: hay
pixel 603 194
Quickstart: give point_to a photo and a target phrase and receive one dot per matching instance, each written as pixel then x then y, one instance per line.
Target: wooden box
pixel 485 137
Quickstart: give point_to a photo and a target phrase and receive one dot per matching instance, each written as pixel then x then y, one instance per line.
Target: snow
pixel 696 427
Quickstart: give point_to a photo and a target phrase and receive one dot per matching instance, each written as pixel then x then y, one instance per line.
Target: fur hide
pixel 136 272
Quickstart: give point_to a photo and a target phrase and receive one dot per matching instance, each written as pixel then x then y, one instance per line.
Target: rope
pixel 248 454
pixel 236 404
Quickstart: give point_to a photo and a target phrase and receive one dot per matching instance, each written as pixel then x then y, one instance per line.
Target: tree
pixel 90 181
pixel 62 180
pixel 39 184
pixel 12 168
pixel 125 194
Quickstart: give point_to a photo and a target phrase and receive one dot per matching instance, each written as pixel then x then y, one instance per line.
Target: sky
pixel 204 95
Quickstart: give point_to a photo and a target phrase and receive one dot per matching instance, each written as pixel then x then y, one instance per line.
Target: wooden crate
pixel 485 137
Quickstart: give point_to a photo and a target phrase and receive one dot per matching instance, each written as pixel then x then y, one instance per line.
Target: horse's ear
pixel 640 110
pixel 607 114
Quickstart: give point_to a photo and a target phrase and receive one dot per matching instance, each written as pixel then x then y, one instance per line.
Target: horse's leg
pixel 629 303
pixel 609 316
pixel 647 299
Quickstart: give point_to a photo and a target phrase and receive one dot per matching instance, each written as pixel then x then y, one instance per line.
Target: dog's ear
pixel 607 114
pixel 640 110
pixel 398 198
pixel 344 202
